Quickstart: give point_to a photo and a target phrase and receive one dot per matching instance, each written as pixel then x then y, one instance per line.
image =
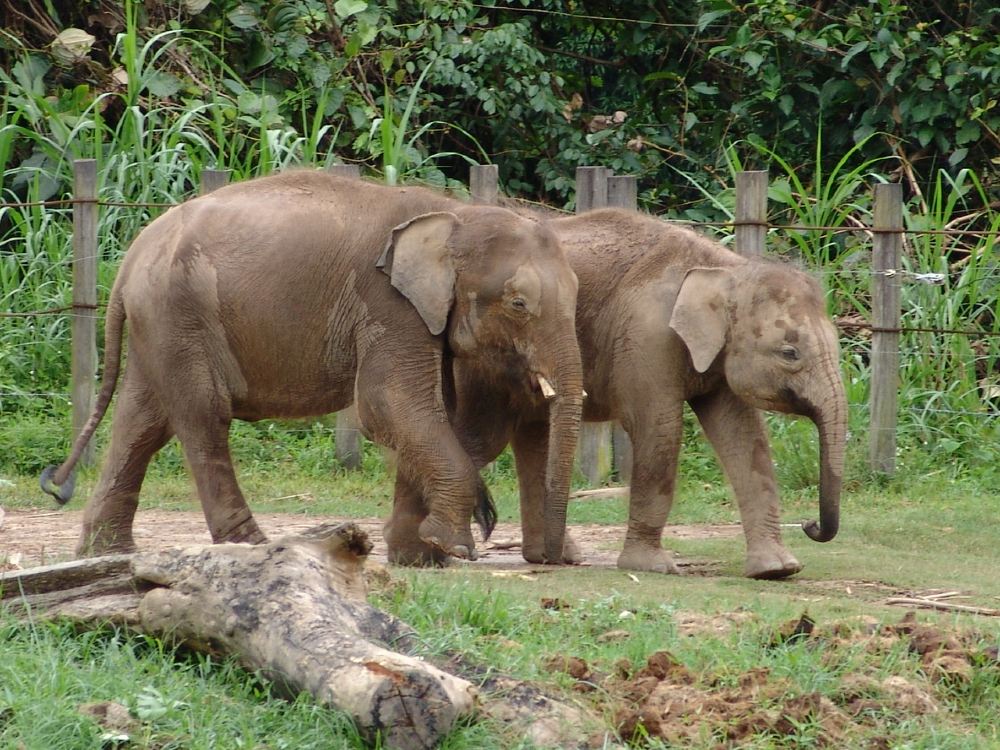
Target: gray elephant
pixel 296 294
pixel 667 316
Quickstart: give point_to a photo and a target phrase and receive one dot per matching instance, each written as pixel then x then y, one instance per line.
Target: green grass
pixel 911 533
pixel 179 700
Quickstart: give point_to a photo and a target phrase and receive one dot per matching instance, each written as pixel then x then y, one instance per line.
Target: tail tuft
pixel 485 512
pixel 61 494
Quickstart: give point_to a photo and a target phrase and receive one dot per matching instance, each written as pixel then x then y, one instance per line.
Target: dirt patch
pixel 29 538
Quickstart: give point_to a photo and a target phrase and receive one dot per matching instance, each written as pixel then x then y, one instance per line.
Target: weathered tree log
pixel 293 609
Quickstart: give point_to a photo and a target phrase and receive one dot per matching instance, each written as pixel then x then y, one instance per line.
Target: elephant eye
pixel 789 353
pixel 519 304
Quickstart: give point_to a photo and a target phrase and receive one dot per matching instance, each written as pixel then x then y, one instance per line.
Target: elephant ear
pixel 419 264
pixel 699 314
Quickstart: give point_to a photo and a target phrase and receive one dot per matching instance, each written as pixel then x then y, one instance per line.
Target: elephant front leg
pixel 655 446
pixel 400 405
pixel 402 531
pixel 739 436
pixel 530 446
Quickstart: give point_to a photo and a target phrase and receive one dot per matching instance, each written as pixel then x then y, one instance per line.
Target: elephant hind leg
pixel 139 429
pixel 206 447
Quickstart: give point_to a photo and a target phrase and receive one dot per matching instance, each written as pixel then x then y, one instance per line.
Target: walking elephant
pixel 294 295
pixel 667 316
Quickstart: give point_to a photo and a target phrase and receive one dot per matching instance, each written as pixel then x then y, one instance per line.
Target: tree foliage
pixel 656 89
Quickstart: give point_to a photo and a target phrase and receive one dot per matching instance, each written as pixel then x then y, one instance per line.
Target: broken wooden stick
pixel 602 493
pixel 293 609
pixel 936 603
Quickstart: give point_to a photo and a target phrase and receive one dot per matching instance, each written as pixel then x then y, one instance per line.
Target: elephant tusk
pixel 584 394
pixel 547 390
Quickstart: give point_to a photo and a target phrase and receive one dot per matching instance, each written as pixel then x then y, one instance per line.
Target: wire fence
pixel 749 225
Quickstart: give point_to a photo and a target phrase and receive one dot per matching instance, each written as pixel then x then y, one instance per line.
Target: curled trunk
pixel 831 422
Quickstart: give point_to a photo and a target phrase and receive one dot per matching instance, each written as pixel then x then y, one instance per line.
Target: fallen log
pixel 293 610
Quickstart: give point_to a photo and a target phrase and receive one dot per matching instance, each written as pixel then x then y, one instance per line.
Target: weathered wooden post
pixel 213 179
pixel 594 450
pixel 347 433
pixel 352 171
pixel 484 184
pixel 751 213
pixel 886 313
pixel 623 192
pixel 83 368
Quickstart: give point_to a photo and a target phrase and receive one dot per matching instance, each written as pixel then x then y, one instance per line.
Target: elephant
pixel 666 316
pixel 296 294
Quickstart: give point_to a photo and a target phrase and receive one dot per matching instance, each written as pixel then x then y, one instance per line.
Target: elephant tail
pixel 60 482
pixel 485 512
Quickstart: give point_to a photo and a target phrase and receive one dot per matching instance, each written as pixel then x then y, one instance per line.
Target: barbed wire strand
pixel 843 324
pixel 65 202
pixel 317 427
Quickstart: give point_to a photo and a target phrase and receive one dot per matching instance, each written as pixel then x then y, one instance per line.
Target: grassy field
pixel 860 679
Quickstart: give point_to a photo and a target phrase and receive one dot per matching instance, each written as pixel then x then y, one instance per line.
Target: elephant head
pixel 765 326
pixel 501 291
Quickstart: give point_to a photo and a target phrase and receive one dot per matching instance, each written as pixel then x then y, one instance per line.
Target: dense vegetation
pixel 829 96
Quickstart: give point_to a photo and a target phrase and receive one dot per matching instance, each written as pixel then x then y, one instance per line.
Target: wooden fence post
pixel 751 213
pixel 213 179
pixel 84 326
pixel 594 450
pixel 591 188
pixel 886 314
pixel 347 433
pixel 623 192
pixel 484 184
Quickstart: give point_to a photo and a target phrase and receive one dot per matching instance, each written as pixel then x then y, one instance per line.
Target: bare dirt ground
pixel 662 699
pixel 42 537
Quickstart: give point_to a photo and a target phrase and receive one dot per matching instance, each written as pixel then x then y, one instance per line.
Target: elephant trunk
pixel 831 422
pixel 565 409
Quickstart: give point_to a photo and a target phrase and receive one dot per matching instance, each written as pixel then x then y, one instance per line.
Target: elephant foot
pixel 444 537
pixel 648 559
pixel 534 552
pixel 417 555
pixel 105 541
pixel 771 563
pixel 404 546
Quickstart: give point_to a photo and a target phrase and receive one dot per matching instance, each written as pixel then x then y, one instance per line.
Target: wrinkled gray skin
pixel 667 316
pixel 296 294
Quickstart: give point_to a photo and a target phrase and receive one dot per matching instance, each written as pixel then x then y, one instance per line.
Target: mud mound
pixel 666 701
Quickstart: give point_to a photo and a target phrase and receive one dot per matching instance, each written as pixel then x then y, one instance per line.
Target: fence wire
pixel 732 224
pixel 929 278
